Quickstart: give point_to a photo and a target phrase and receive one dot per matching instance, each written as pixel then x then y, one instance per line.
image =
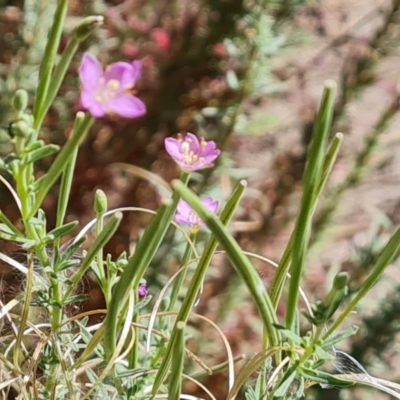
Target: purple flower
pixel 190 153
pixel 186 215
pixel 142 291
pixel 110 91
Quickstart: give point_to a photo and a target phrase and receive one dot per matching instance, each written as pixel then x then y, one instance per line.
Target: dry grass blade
pixel 160 297
pixel 7 383
pixel 250 367
pixel 275 265
pixel 183 396
pixel 231 361
pixel 21 268
pixel 271 380
pixel 126 328
pixel 88 364
pixel 91 224
pixel 199 385
pixel 160 184
pixel 83 315
pixel 12 191
pixel 255 223
pixel 191 355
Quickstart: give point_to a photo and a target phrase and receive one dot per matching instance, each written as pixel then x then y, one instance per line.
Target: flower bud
pixel 21 129
pixel 142 290
pixel 100 202
pixel 341 280
pixel 20 100
pixel 87 26
pixel 121 264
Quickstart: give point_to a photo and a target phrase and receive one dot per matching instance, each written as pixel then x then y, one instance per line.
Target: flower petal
pixel 210 147
pixel 210 158
pixel 90 72
pixel 136 70
pixel 183 207
pixel 173 148
pixel 209 152
pixel 184 213
pixel 193 142
pixel 90 104
pixel 181 219
pixel 127 106
pixel 210 204
pixel 126 74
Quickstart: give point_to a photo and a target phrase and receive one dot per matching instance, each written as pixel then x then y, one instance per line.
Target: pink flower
pixel 142 291
pixel 190 153
pixel 109 91
pixel 186 215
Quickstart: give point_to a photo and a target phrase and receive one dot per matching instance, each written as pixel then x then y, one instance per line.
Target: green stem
pixel 100 266
pixel 281 274
pixel 311 181
pixel 358 170
pixel 181 277
pixel 100 241
pixel 81 32
pixel 82 124
pixel 178 357
pixel 57 78
pixel 219 236
pixel 136 267
pixel 46 67
pixel 64 193
pixel 134 353
pixel 240 262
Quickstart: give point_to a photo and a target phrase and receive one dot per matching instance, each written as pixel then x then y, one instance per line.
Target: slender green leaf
pixel 311 182
pixel 136 267
pixel 239 260
pixel 178 357
pixel 100 241
pixel 63 230
pixel 338 337
pixel 43 152
pixel 199 273
pixel 284 265
pixel 388 254
pixel 283 388
pixel 81 128
pixel 324 378
pixel 46 66
pixel 87 26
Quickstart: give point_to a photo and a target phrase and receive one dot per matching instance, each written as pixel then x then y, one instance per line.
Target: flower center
pixel 194 218
pixel 108 90
pixel 189 156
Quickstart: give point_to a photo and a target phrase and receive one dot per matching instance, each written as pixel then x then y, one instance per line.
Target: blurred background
pixel 247 74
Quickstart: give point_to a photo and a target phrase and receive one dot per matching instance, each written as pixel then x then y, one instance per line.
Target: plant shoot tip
pixel 339 135
pixel 118 215
pixel 330 84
